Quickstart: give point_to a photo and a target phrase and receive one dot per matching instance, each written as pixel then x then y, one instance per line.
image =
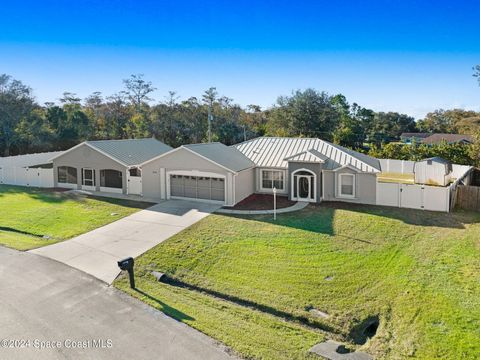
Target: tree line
pixel 27 126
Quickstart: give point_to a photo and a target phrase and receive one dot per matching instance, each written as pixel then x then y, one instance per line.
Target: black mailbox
pixel 127 264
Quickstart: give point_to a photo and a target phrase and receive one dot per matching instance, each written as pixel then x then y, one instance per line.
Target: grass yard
pixel 259 286
pixel 30 218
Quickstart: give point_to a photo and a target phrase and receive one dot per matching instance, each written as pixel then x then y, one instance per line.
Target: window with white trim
pixel 271 179
pixel 67 175
pixel 346 186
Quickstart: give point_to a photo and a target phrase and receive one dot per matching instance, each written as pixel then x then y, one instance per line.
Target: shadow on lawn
pixel 9 229
pixel 248 303
pixel 170 311
pixel 319 218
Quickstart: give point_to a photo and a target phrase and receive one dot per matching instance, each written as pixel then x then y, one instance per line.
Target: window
pixel 135 172
pixel 67 175
pixel 111 179
pixel 271 179
pixel 347 185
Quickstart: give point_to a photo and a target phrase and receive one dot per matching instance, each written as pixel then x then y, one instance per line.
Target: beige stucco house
pixel 303 169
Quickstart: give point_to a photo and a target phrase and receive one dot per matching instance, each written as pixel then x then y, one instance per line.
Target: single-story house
pixel 448 138
pixel 300 168
pixel 105 165
pixel 303 169
pixel 409 138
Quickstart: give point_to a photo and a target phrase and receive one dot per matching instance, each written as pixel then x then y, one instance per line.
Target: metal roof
pixel 311 155
pixel 130 151
pixel 28 160
pixel 272 152
pixel 226 156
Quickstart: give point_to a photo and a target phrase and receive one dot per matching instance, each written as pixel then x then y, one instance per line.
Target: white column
pixel 163 186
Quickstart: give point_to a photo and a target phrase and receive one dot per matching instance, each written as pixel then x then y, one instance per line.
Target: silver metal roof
pixel 312 156
pixel 131 151
pixel 226 156
pixel 272 151
pixel 28 159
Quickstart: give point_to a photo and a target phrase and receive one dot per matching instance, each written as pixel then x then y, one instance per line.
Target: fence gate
pixel 411 196
pixel 468 197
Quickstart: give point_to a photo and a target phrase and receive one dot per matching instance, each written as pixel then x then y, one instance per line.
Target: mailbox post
pixel 127 264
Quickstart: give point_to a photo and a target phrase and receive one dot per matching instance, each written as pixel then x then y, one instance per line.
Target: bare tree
pixel 137 90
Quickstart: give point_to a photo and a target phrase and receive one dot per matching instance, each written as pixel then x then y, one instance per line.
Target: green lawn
pixel 249 282
pixel 31 218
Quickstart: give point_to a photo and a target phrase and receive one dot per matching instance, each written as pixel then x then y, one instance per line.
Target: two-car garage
pixel 197 187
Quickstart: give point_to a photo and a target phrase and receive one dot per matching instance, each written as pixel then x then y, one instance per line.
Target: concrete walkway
pixel 45 300
pixel 98 251
pixel 297 206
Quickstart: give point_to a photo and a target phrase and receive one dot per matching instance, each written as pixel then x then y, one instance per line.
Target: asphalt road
pixel 49 310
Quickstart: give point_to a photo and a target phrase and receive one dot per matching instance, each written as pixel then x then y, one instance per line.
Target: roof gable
pixel 225 156
pixel 130 151
pixel 273 152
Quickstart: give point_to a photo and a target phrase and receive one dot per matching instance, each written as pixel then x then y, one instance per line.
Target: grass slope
pixel 31 218
pixel 254 281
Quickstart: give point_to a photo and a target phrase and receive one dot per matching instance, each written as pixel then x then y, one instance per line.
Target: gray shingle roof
pixel 131 151
pixel 227 156
pixel 272 152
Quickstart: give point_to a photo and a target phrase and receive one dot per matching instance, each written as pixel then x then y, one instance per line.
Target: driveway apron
pixel 98 251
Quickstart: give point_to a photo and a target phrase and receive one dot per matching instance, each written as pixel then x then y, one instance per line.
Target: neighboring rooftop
pixel 131 151
pixel 226 156
pixel 449 138
pixel 274 151
pixel 407 135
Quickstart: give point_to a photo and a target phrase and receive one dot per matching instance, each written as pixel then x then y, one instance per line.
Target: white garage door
pixel 197 187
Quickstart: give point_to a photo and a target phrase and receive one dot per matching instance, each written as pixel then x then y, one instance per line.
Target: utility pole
pixel 210 122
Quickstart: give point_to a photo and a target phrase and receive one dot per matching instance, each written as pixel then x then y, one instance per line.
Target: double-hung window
pixel 273 179
pixel 346 186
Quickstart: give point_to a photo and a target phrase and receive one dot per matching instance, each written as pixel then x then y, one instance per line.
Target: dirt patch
pixel 262 202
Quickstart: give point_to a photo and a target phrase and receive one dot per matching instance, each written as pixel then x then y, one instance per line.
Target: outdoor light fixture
pixel 127 264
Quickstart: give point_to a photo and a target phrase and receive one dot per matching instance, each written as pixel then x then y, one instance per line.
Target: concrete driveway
pixel 98 251
pixel 43 301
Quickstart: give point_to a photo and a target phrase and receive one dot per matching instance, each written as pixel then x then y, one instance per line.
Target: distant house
pixel 449 138
pixel 409 138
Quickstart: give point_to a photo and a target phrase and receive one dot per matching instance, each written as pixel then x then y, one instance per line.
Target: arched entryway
pixel 303 185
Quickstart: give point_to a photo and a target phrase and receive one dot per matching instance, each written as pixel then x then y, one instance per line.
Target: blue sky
pixel 407 56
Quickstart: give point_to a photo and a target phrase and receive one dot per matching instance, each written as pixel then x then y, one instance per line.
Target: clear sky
pixel 399 55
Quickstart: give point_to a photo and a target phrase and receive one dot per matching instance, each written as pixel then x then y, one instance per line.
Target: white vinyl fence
pixel 424 197
pixel 21 170
pixel 35 177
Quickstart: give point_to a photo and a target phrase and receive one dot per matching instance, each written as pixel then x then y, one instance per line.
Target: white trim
pixel 93 148
pixel 94 180
pixel 67 185
pixel 111 190
pixel 282 190
pixel 162 183
pixel 292 185
pixel 354 184
pixel 195 153
pixel 197 173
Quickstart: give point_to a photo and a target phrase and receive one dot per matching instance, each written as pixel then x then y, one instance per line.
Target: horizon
pixel 411 58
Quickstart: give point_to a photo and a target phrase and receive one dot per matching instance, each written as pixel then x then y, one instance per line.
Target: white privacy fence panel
pixel 424 197
pixel 397 166
pixel 34 177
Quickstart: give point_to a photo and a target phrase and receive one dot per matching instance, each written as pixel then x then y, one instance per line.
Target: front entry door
pixel 303 186
pixel 88 179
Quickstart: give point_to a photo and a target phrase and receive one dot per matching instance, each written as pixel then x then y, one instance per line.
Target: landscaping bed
pixel 261 202
pixel 394 283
